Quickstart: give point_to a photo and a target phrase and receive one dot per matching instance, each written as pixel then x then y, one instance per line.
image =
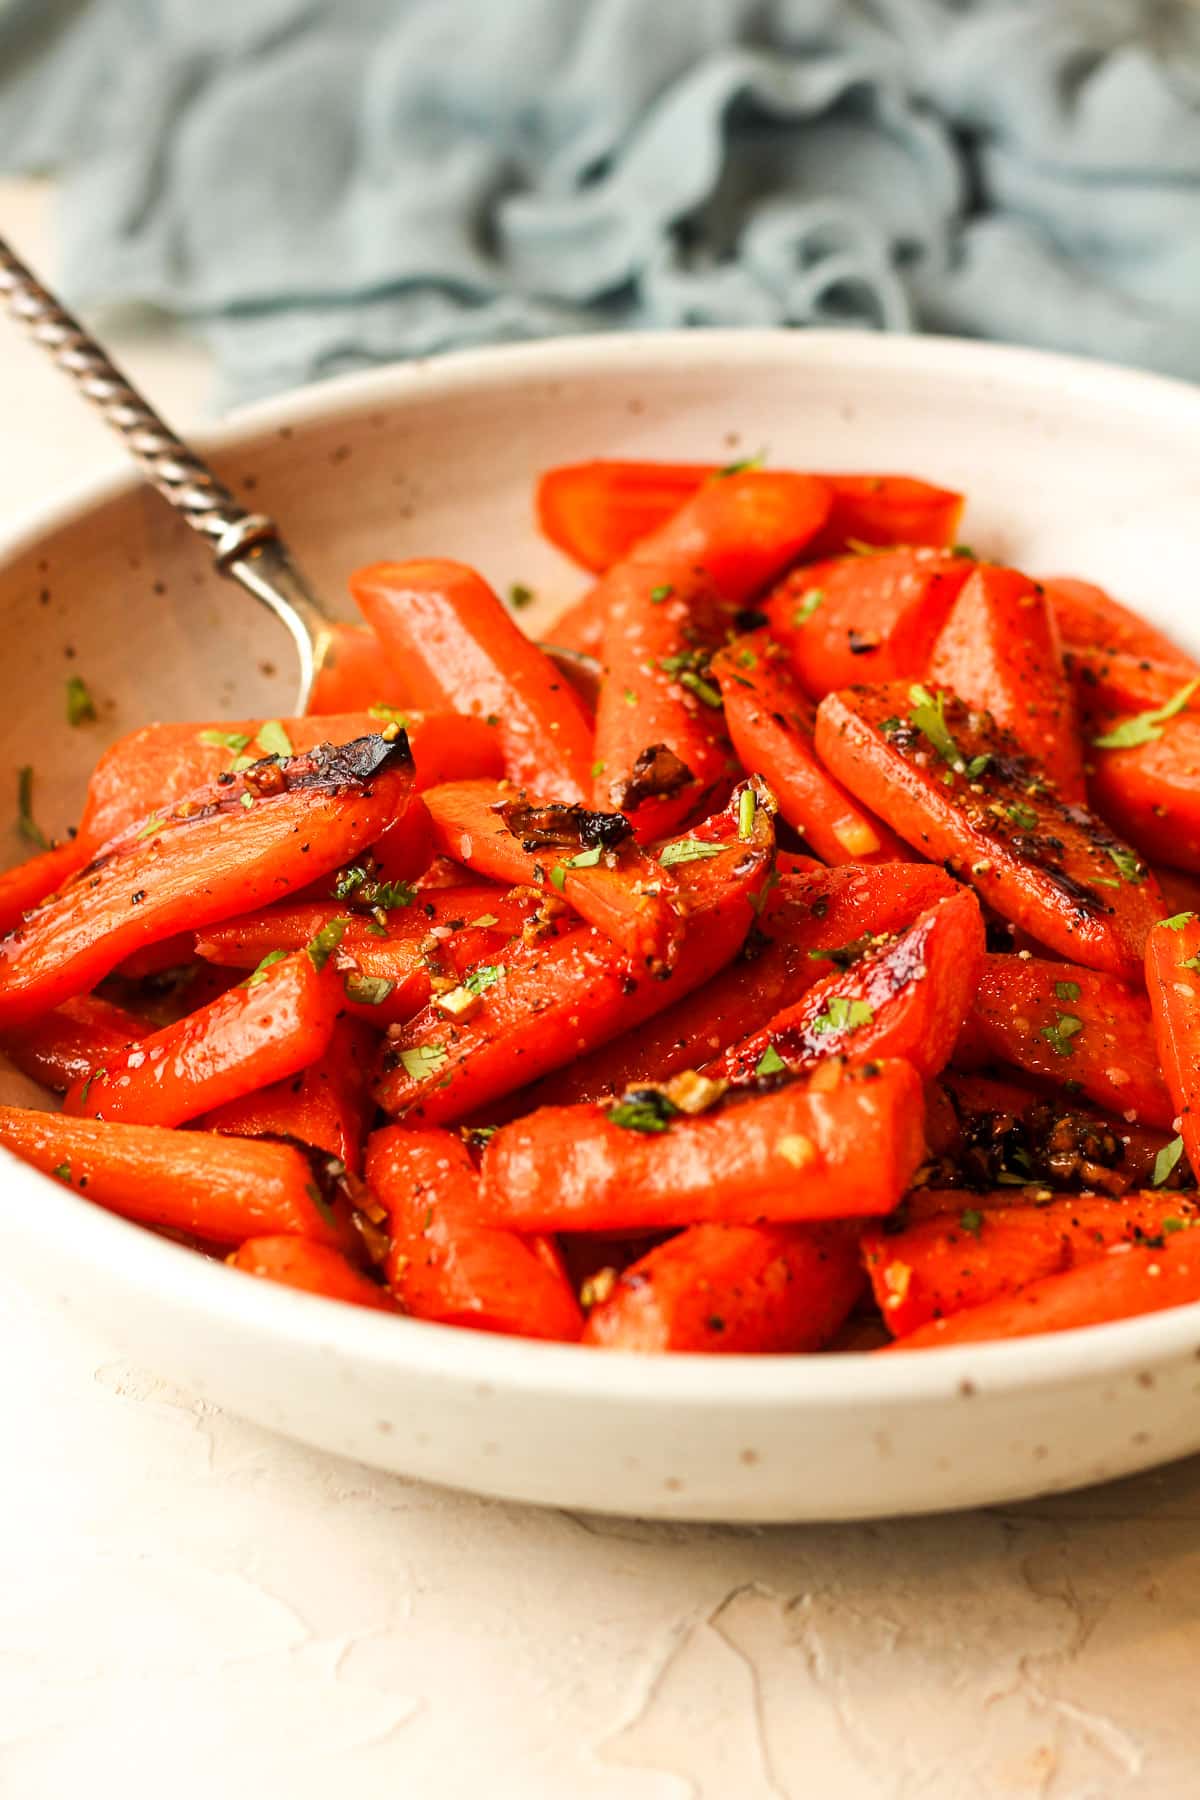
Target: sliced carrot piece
pixel 906 997
pixel 218 1189
pixel 260 835
pixel 1066 1023
pixel 733 1289
pixel 1123 1284
pixel 771 724
pixel 1173 981
pixel 1087 616
pixel 31 882
pixel 443 1264
pixel 63 1046
pixel 888 509
pixel 274 1026
pixel 562 995
pixel 355 674
pixel 1150 790
pixel 865 618
pixel 972 1254
pixel 806 1152
pixel 312 1268
pixel 444 629
pixel 999 652
pixel 327 1106
pixel 1117 683
pixel 589 858
pixel 961 791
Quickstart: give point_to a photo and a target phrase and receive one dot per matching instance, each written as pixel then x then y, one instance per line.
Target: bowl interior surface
pixel 1069 467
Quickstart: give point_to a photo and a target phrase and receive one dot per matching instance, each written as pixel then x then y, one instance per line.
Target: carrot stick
pixel 63 1046
pixel 589 858
pixel 443 1265
pixel 844 1145
pixel 961 791
pixel 312 1268
pixel 974 1254
pixel 733 1289
pixel 1123 1284
pixel 327 1106
pixel 274 1026
pixel 219 1189
pixel 1087 616
pixel 1150 789
pixel 443 628
pixel 1172 961
pixel 31 882
pixel 355 674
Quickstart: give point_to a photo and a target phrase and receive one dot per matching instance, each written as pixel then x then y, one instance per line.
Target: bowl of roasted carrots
pixel 754 1082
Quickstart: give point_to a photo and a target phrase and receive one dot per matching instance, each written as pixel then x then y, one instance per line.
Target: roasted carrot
pixel 312 1268
pixel 904 997
pixel 845 1144
pixel 1065 1023
pixel 557 997
pixel 865 618
pixel 1121 1284
pixel 589 858
pixel 218 1189
pixel 1088 616
pixel 961 791
pixel 733 1289
pixel 63 1046
pixel 1144 775
pixel 1118 683
pixel 597 511
pixel 260 835
pixel 327 1105
pixel 26 886
pixel 355 674
pixel 973 1254
pixel 999 652
pixel 444 629
pixel 1172 962
pixel 810 921
pixel 443 1264
pixel 273 1026
pixel 770 722
pixel 659 741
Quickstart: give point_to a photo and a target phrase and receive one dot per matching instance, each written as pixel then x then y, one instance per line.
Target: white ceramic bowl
pixel 1070 467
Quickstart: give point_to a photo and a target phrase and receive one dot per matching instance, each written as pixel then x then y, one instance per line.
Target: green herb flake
pixel 319 1201
pixel 645 1109
pixel 1127 864
pixel 389 715
pixel 149 829
pixel 971 1221
pixel 268 962
pixel 741 468
pixel 1023 817
pixel 233 741
pixel 747 807
pixel 1067 991
pixel 1146 727
pixel 629 697
pixel 686 850
pixel 964 550
pixel 976 766
pixel 770 1062
pixel 747 659
pixel 1172 1225
pixel 326 941
pixel 1059 1036
pixel 247 801
pixel 928 716
pixel 94 1076
pixel 1178 921
pixel 703 690
pixel 808 606
pixel 843 1014
pixel 81 708
pixel 586 859
pixel 274 740
pixel 597 769
pixel 423 1060
pixel 486 975
pixel 27 825
pixel 367 990
pixel 660 593
pixel 1166 1160
pixel 63 1173
pixel 558 879
pixel 520 596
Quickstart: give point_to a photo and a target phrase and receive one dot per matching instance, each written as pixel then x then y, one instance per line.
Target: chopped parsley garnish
pixel 747 659
pixel 486 975
pixel 1023 817
pixel 928 716
pixel 1173 1224
pixel 27 825
pixel 63 1173
pixel 268 962
pixel 390 715
pixel 85 1090
pixel 1059 1036
pixel 423 1060
pixel 703 690
pixel 964 550
pixel 520 596
pixel 971 1221
pixel 808 606
pixel 149 828
pixel 844 956
pixel 275 740
pixel 586 859
pixel 326 942
pixel 976 767
pixel 367 990
pixel 770 1062
pixel 643 1109
pixel 661 593
pixel 597 768
pixel 365 889
pixel 687 850
pixel 234 741
pixel 1146 727
pixel 81 708
pixel 629 697
pixel 747 807
pixel 247 801
pixel 1128 867
pixel 740 468
pixel 1178 921
pixel 1067 991
pixel 1166 1160
pixel 843 1015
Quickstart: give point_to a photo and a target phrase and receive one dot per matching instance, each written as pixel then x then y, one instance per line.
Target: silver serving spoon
pixel 246 546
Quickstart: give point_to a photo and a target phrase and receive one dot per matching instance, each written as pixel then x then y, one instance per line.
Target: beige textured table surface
pixel 190 1607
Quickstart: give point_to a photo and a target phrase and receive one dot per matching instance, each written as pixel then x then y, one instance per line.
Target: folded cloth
pixel 321 184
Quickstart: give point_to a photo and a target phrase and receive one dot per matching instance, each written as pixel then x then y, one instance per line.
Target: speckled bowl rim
pixel 67 1225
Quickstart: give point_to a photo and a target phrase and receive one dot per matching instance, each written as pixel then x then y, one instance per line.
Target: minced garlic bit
pixel 797 1150
pixel 694 1093
pixel 597 1288
pixel 458 1003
